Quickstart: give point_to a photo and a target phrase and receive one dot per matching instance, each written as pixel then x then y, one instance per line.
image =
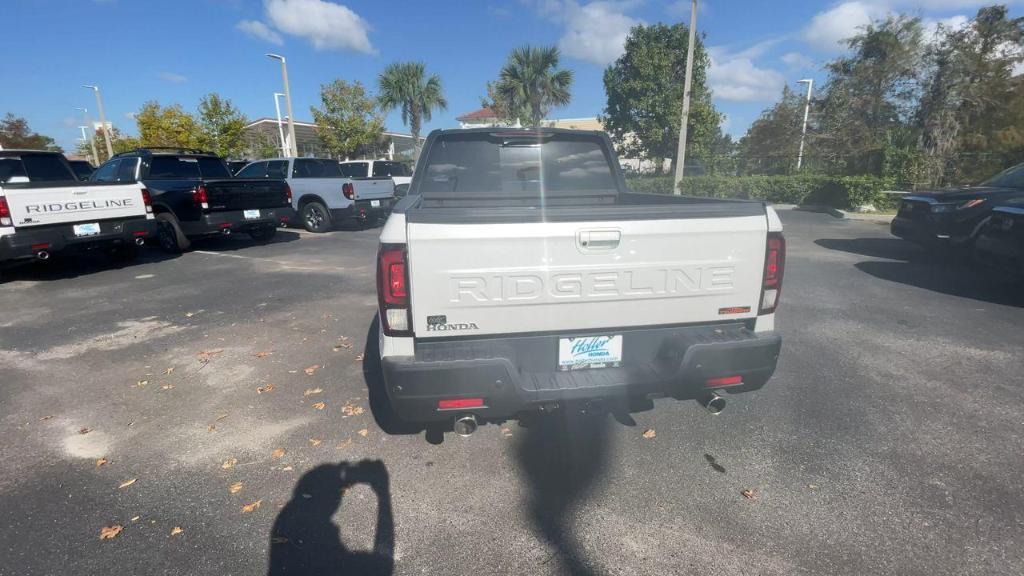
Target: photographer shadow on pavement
pixel 304 539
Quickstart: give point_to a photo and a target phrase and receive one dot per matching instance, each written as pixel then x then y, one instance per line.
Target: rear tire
pixel 172 240
pixel 264 234
pixel 316 217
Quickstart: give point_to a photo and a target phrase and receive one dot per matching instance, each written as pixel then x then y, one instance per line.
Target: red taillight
pixel 145 197
pixel 774 267
pixel 393 290
pixel 5 212
pixel 460 403
pixel 724 381
pixel 348 190
pixel 288 192
pixel 199 197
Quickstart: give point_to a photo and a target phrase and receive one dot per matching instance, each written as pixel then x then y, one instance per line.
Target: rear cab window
pixel 517 164
pixel 163 167
pixel 355 169
pixel 36 167
pixel 389 169
pixel 315 168
pixel 254 170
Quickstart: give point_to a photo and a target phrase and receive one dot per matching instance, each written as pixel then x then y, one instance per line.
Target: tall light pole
pixel 681 150
pixel 103 120
pixel 280 129
pixel 92 134
pixel 803 131
pixel 288 104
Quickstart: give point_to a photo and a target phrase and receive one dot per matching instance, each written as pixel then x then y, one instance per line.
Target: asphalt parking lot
pixel 889 441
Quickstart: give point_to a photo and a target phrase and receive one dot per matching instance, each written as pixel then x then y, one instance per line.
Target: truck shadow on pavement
pixel 241 241
pixel 63 267
pixel 942 272
pixel 383 415
pixel 305 541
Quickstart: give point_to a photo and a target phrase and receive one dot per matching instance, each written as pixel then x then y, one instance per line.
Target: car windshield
pixel 1012 177
pixel 186 168
pixel 516 162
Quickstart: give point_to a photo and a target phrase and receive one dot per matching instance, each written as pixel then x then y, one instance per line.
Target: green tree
pixel 971 113
pixel 405 85
pixel 221 126
pixel 15 133
pixel 167 126
pixel 348 119
pixel 120 144
pixel 645 94
pixel 530 84
pixel 501 108
pixel 772 142
pixel 869 94
pixel 262 145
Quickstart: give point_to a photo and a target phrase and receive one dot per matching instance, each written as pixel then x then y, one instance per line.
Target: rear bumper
pixel 1000 254
pixel 921 230
pixel 27 243
pixel 235 220
pixel 516 374
pixel 363 210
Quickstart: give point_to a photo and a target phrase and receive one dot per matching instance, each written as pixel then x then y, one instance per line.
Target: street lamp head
pixel 91 87
pixel 805 81
pixel 276 57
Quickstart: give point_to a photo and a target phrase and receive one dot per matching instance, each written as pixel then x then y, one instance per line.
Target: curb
pixel 843 214
pixel 822 209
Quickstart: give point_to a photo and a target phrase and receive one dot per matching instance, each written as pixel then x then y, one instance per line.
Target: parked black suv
pixel 194 195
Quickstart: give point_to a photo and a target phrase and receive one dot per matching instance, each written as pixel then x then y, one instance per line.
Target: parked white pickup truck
pixel 322 195
pixel 44 209
pixel 520 274
pixel 398 172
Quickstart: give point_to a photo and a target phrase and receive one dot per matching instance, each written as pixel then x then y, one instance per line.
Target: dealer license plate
pixel 590 352
pixel 375 203
pixel 90 229
pixel 251 214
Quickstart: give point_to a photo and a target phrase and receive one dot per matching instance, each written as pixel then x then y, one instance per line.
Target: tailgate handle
pixel 598 239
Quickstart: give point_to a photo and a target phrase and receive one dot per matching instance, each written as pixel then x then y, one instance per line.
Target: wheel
pixel 263 234
pixel 172 240
pixel 316 217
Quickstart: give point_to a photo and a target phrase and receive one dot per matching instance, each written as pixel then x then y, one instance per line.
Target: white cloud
pixel 931 26
pixel 738 79
pixel 594 32
pixel 796 60
pixel 172 77
pixel 328 26
pixel 259 30
pixel 829 30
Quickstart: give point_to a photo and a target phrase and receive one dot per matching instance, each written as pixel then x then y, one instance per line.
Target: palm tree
pixel 405 85
pixel 530 83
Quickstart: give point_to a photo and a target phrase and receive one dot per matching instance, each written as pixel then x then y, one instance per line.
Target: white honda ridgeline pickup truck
pixel 520 274
pixel 45 209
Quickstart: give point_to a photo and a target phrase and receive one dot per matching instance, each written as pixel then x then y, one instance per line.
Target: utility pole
pixel 803 131
pixel 681 150
pixel 288 104
pixel 92 135
pixel 103 120
pixel 280 124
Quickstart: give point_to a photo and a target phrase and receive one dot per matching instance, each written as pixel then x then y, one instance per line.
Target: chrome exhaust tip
pixel 465 425
pixel 225 231
pixel 43 255
pixel 714 403
pixel 139 240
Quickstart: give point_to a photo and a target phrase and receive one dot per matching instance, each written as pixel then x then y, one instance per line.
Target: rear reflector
pixel 724 381
pixel 460 403
pixel 398 319
pixel 139 233
pixel 42 246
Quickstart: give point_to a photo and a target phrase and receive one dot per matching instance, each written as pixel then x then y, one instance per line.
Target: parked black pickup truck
pixel 194 195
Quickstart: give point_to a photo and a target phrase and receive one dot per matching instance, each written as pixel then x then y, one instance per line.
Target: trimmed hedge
pixel 839 192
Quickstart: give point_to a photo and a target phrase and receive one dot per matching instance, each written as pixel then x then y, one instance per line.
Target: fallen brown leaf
pixel 229 463
pixel 252 506
pixel 206 355
pixel 649 433
pixel 84 430
pixel 141 383
pixel 312 391
pixel 169 370
pixel 127 483
pixel 277 453
pixel 315 441
pixel 176 530
pixel 287 468
pixel 349 410
pixel 263 354
pixel 278 540
pixel 222 416
pixel 46 418
pixel 235 488
pixel 748 494
pixel 167 387
pixel 344 443
pixel 312 369
pixel 101 462
pixel 359 358
pixel 211 428
pixel 108 532
pixel 267 388
pixel 319 405
pixel 812 486
pixel 363 432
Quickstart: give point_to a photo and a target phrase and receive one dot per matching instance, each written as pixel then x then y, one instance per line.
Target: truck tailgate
pixel 502 278
pixel 60 203
pixel 373 188
pixel 245 194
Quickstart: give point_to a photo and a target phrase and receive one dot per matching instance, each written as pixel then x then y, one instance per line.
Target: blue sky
pixel 176 51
